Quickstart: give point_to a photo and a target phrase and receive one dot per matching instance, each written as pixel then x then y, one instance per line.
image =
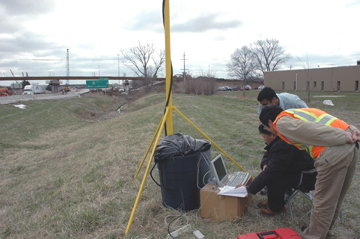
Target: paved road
pixel 21 98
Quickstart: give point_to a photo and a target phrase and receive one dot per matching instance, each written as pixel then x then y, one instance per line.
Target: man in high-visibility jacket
pixel 334 146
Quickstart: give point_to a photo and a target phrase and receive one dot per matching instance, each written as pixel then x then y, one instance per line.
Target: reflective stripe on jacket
pixel 311 115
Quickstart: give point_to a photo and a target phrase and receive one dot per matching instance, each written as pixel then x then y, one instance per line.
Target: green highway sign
pixel 97 84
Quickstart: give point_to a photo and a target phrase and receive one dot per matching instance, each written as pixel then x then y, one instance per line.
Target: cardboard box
pixel 222 208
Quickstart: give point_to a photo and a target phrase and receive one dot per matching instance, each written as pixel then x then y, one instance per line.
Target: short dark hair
pixel 262 130
pixel 267 93
pixel 269 112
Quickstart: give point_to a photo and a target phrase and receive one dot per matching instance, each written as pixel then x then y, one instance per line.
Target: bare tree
pixel 242 65
pixel 208 73
pixel 269 54
pixel 144 62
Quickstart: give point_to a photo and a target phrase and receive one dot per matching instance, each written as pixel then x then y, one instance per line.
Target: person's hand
pixel 264 167
pixel 356 135
pixel 353 137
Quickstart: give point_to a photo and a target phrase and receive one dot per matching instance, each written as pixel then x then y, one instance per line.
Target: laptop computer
pixel 222 177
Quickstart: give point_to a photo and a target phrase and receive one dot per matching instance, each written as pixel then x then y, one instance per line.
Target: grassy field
pixel 65 172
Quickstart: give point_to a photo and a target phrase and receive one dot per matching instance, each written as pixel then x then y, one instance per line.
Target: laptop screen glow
pixel 220 172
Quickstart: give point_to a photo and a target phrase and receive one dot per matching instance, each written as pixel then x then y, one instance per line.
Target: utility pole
pixel 184 74
pixel 118 69
pixel 67 66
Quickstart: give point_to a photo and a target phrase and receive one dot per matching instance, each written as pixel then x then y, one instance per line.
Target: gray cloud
pixel 146 20
pixel 25 42
pixel 14 13
pixel 29 7
pixel 7 25
pixel 152 20
pixel 205 23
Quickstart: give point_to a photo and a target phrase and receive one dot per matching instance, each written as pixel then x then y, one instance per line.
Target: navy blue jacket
pixel 281 158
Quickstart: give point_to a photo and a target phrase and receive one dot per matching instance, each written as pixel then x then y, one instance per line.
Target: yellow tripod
pixel 167 117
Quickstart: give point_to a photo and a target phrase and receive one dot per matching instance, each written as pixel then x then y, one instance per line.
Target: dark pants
pixel 278 187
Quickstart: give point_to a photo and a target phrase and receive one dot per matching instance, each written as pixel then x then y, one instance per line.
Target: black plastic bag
pixel 180 145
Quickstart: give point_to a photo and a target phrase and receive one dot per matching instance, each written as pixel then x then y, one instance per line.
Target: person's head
pixel 267 96
pixel 268 116
pixel 267 136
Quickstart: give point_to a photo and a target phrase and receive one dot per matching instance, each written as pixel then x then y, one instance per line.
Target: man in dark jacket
pixel 282 165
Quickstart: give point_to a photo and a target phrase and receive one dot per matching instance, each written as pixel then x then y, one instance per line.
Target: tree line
pixel 252 61
pixel 246 63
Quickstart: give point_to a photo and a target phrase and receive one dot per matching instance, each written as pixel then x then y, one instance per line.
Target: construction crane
pixel 12 73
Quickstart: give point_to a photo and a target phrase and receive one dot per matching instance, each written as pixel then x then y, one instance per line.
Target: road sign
pixel 97 84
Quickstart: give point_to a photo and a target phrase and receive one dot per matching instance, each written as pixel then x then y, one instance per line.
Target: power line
pixel 44 59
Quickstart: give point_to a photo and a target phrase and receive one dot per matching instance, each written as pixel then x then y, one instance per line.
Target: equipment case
pixel 280 233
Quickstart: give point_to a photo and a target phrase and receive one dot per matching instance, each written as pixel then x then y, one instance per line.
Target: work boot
pixel 263 191
pixel 263 204
pixel 330 234
pixel 267 212
pixel 304 227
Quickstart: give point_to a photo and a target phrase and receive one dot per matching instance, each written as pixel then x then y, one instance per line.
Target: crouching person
pixel 282 169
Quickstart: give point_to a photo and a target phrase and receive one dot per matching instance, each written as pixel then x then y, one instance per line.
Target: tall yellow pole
pixel 169 121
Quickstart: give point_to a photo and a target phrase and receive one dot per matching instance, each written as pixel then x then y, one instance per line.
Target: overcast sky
pixel 324 33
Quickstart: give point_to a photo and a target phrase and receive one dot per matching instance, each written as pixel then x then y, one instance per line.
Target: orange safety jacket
pixel 312 115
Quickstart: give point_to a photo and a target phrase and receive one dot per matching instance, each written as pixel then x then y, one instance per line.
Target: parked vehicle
pixel 247 87
pixel 228 88
pixel 236 88
pixel 221 88
pixel 28 90
pixel 39 89
pixel 34 89
pixel 261 87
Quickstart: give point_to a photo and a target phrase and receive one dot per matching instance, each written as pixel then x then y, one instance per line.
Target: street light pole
pixel 118 68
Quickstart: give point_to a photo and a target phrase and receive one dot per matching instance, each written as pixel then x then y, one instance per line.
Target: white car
pixel 261 87
pixel 247 87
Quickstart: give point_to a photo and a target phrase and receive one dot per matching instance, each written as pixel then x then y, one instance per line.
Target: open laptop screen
pixel 220 172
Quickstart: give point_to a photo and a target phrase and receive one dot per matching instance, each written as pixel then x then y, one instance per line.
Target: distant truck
pixel 34 89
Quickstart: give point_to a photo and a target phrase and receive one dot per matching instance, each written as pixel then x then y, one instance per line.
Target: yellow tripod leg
pixel 146 172
pixel 151 143
pixel 208 138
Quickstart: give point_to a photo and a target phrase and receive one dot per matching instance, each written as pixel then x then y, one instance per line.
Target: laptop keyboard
pixel 237 178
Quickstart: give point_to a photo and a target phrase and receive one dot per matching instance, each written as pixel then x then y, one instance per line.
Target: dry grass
pixel 73 176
